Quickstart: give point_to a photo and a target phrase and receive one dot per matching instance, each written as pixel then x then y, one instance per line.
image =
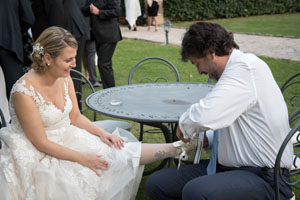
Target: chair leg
pixel 294 197
pixel 141 132
pixel 172 128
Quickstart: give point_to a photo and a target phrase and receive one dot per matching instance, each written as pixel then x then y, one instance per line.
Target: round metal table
pixel 152 104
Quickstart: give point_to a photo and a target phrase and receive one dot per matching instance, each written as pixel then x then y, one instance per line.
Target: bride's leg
pixel 189 151
pixel 154 152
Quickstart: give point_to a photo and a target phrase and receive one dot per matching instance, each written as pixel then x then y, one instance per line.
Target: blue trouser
pixel 191 182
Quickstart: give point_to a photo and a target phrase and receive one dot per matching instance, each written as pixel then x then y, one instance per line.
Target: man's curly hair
pixel 203 38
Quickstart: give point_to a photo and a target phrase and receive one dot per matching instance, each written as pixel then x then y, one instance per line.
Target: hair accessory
pixel 37 48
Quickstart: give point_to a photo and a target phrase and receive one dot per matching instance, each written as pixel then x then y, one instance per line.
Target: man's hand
pixel 94 10
pixel 180 135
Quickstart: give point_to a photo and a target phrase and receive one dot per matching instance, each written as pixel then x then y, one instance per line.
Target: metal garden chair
pixel 108 125
pixel 154 70
pixel 293 136
pixel 291 91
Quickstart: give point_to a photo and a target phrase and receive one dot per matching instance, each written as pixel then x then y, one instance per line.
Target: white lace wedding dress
pixel 26 173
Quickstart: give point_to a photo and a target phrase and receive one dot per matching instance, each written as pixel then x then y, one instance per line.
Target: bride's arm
pixel 79 120
pixel 30 121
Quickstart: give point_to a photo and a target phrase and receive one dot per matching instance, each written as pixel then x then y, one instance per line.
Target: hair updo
pixel 52 41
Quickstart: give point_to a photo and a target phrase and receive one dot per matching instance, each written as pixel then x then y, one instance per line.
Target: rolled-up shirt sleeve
pixel 233 94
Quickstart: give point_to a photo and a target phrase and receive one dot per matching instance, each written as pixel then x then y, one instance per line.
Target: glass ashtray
pixel 115 102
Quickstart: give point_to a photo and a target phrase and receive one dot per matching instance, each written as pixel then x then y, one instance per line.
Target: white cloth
pixel 246 105
pixel 3 98
pixel 133 11
pixel 26 173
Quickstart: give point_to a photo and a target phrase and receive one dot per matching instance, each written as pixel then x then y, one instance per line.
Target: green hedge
pixel 185 10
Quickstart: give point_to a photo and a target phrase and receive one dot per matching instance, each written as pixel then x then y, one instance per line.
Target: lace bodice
pixel 52 117
pixel 27 173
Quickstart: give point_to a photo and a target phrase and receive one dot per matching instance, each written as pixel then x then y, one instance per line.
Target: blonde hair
pixel 52 40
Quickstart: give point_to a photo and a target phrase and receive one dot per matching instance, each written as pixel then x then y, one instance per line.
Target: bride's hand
pixel 113 140
pixel 94 162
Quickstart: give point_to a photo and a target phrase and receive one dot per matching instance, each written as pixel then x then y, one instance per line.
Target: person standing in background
pixel 89 54
pixel 152 8
pixel 105 28
pixel 133 11
pixel 16 17
pixel 47 13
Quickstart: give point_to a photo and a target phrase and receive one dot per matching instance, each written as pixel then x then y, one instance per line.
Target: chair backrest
pixel 153 69
pixel 291 91
pixel 87 89
pixel 294 120
pixel 2 123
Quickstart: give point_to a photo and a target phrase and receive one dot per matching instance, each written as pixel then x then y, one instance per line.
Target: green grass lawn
pixel 128 52
pixel 284 25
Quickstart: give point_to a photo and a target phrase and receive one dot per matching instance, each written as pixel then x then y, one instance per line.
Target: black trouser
pixel 77 84
pixel 90 53
pixel 105 52
pixel 12 68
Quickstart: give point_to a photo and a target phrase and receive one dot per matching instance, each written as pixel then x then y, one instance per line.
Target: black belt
pixel 282 171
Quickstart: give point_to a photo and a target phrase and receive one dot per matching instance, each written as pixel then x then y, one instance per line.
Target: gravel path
pixel 274 47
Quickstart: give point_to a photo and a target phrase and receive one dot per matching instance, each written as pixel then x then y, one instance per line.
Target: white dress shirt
pixel 247 106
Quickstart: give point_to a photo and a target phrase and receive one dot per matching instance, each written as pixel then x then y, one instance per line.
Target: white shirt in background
pixel 133 11
pixel 3 99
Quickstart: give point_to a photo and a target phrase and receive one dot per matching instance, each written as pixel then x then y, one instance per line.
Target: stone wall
pixel 161 13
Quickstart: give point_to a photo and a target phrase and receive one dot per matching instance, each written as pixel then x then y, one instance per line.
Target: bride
pixel 50 150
